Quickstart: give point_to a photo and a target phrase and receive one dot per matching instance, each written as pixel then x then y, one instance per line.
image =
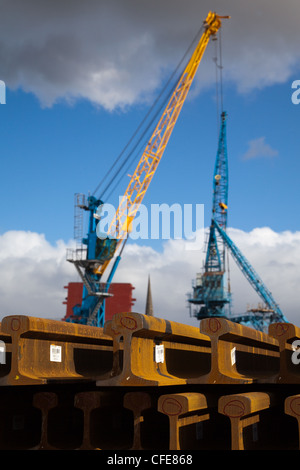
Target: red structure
pixel 121 300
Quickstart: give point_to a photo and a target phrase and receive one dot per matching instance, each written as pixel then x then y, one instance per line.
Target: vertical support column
pixel 292 408
pixel 288 337
pixel 137 402
pixel 87 401
pixel 243 409
pixel 183 409
pixel 45 401
pixel 239 354
pixel 148 351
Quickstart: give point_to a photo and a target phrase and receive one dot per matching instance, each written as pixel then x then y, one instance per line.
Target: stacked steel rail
pixel 145 383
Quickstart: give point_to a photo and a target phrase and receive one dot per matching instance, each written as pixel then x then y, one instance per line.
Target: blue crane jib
pixel 253 277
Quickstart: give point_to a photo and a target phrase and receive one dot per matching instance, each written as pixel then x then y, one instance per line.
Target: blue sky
pixel 80 80
pixel 48 154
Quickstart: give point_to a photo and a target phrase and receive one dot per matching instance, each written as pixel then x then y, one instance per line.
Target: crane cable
pixel 219 76
pixel 158 112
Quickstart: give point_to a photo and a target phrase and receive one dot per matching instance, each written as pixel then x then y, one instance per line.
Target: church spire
pixel 149 305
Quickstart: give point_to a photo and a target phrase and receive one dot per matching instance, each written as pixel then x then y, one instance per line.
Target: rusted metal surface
pixel 186 411
pixel 67 418
pixel 138 350
pixel 288 337
pixel 144 383
pixel 239 354
pixel 292 408
pixel 244 410
pixel 44 401
pixel 137 402
pixel 88 402
pixel 155 352
pixel 43 350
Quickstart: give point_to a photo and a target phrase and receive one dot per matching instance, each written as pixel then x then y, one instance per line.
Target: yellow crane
pixel 144 172
pixel 101 250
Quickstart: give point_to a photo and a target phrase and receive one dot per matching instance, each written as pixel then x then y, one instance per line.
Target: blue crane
pixel 210 295
pixel 95 253
pixel 251 275
pixel 91 252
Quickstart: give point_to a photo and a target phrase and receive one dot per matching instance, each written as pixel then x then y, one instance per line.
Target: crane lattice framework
pixel 210 294
pixel 94 254
pixel 271 313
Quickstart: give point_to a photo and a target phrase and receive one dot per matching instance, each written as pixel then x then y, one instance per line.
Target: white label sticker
pixel 159 353
pixel 233 359
pixel 2 353
pixel 55 353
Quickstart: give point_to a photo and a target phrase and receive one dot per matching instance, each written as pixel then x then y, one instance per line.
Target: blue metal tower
pixel 89 253
pixel 210 295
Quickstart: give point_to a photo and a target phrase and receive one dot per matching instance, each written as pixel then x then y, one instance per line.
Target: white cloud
pixel 258 148
pixel 274 256
pixel 114 53
pixel 33 274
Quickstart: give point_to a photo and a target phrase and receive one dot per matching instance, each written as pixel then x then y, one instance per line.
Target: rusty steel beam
pixel 292 408
pixel 202 418
pixel 155 352
pixel 288 337
pixel 43 351
pixel 239 354
pixel 107 424
pixel 103 415
pixel 45 401
pixel 89 402
pixel 80 410
pixel 151 428
pixel 5 353
pixel 185 412
pixel 244 410
pixel 137 402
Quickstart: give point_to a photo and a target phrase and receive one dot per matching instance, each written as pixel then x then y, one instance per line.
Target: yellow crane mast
pixel 101 249
pixel 144 172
